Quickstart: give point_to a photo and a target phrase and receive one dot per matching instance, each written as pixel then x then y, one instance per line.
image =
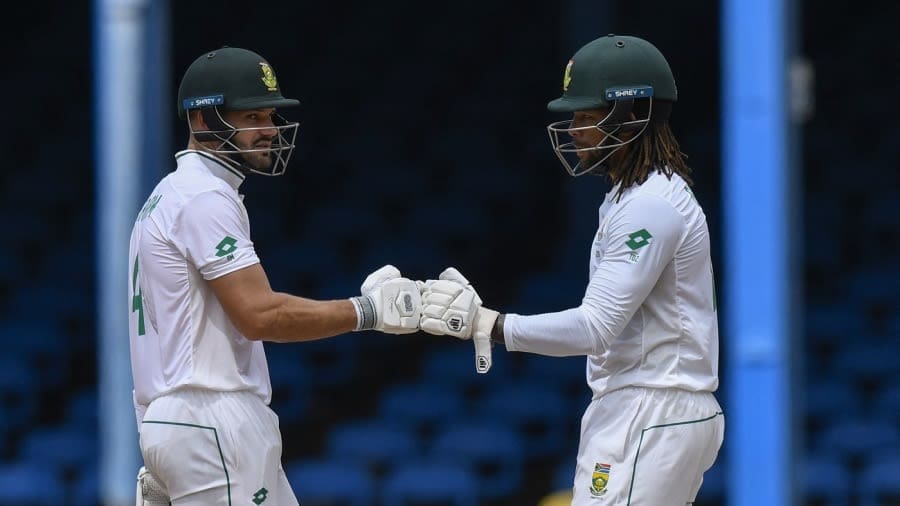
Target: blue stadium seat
pixel 839 319
pixel 566 373
pixel 38 340
pixel 12 269
pixel 547 292
pixel 34 339
pixel 853 438
pixel 332 482
pixel 18 391
pixel 26 228
pixel 447 218
pixel 340 285
pixel 491 173
pixel 415 258
pixel 330 361
pixel 38 300
pixel 86 488
pixel 445 146
pixel 5 434
pixel 430 482
pixel 454 363
pixel 538 410
pixel 887 402
pixel 867 362
pixel 31 485
pixel 315 259
pixel 291 381
pixel 827 252
pixel 712 490
pixel 873 284
pixel 879 481
pixel 63 449
pixel 830 398
pixel 492 448
pixel 82 410
pixel 825 480
pixel 881 210
pixel 564 473
pixel 59 270
pixel 338 221
pixel 379 445
pixel 420 406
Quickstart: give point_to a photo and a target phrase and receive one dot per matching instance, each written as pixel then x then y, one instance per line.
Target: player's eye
pixel 582 120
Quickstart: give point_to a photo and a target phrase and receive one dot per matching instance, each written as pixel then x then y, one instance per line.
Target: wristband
pixel 497 330
pixel 365 312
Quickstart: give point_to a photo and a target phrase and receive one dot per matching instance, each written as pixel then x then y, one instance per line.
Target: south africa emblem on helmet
pixel 268 77
pixel 599 479
pixel 567 77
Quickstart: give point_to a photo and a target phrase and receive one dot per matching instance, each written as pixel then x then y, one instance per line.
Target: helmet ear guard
pixel 658 113
pixel 217 126
pixel 619 118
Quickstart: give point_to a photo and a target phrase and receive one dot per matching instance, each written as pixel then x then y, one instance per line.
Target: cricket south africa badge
pixel 599 479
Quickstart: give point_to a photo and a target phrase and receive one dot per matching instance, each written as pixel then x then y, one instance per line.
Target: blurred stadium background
pixel 404 106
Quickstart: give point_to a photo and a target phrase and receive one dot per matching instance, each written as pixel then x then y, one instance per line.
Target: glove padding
pixel 389 303
pixel 451 306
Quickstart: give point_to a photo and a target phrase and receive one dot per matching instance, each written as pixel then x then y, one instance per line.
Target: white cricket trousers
pixel 646 447
pixel 215 448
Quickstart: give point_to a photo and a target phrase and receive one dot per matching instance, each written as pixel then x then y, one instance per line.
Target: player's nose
pixel 269 131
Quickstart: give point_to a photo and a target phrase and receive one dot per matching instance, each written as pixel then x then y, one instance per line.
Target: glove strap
pixel 365 312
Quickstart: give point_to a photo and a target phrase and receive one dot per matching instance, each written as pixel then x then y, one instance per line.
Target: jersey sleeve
pixel 643 236
pixel 214 234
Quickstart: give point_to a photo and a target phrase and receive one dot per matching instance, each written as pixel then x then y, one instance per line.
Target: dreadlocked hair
pixel 655 150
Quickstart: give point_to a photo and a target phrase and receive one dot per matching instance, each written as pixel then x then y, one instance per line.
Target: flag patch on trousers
pixel 599 479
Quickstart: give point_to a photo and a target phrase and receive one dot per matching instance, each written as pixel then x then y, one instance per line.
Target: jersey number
pixel 137 301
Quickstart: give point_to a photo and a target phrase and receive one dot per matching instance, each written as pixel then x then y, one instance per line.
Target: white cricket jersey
pixel 648 317
pixel 193 227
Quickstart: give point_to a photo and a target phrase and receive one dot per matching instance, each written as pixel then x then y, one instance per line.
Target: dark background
pixel 423 144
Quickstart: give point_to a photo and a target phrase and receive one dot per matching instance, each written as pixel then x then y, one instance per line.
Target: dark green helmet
pixel 233 79
pixel 627 77
pixel 614 63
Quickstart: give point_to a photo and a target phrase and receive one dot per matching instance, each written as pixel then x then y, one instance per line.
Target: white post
pixel 118 70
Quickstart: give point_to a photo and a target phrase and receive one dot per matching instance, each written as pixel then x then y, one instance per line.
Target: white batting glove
pixel 389 303
pixel 451 306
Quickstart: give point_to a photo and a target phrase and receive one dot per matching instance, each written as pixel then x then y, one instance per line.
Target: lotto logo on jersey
pixel 636 241
pixel 226 247
pixel 259 496
pixel 599 479
pixel 639 239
